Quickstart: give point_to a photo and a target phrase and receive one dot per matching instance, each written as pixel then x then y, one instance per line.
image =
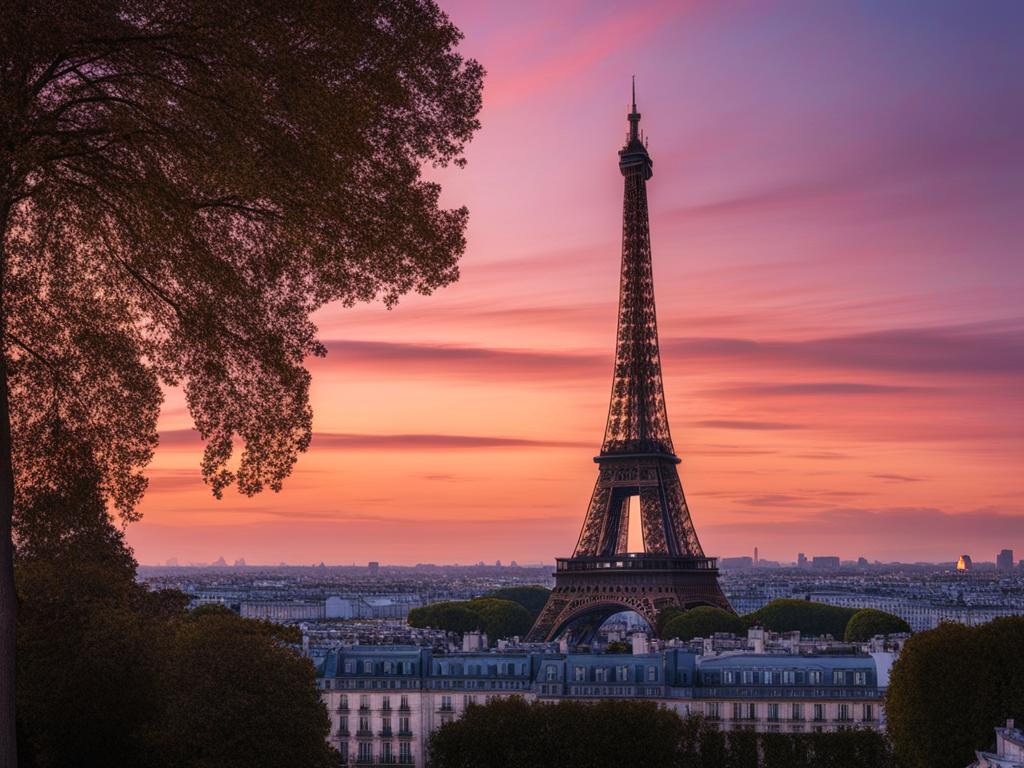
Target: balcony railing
pixel 638 561
pixel 404 733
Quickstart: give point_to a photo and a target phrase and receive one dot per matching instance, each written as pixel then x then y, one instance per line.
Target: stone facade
pixel 385 701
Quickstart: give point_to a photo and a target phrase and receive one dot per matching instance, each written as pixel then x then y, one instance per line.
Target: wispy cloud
pixel 342 441
pixel 454 360
pixel 741 424
pixel 964 350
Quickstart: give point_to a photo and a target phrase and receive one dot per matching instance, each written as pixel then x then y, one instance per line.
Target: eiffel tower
pixel 637 462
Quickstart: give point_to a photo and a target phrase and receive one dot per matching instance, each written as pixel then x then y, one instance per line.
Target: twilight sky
pixel 837 216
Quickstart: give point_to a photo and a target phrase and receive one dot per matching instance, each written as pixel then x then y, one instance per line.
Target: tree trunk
pixel 8 598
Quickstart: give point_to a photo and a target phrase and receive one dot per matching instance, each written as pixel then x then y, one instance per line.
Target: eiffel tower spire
pixel 637 460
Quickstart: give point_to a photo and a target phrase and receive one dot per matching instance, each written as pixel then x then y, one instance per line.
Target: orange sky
pixel 836 229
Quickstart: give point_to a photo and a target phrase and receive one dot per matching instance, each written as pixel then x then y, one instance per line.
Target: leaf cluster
pixel 869 622
pixel 498 618
pixel 182 184
pixel 532 598
pixel 509 733
pixel 112 674
pixel 804 616
pixel 950 687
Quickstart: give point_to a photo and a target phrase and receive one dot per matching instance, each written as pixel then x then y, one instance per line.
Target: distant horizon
pixel 534 563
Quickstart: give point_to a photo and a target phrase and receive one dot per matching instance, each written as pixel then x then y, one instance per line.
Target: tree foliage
pixel 703 621
pixel 532 598
pixel 868 622
pixel 508 733
pixel 498 618
pixel 112 674
pixel 968 677
pixel 802 616
pixel 181 185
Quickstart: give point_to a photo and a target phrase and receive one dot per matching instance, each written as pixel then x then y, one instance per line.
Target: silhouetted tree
pixel 532 598
pixel 868 622
pixel 803 616
pixel 950 687
pixel 181 185
pixel 498 618
pixel 510 733
pixel 112 674
pixel 703 621
pixel 233 694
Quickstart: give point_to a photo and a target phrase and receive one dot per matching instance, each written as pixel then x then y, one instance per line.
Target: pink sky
pixel 836 216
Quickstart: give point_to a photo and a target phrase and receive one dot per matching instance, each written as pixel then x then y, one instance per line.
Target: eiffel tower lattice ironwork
pixel 637 461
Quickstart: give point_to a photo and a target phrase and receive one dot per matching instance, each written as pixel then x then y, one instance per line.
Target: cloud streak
pixel 344 441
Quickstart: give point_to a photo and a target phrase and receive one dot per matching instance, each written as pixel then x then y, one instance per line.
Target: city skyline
pixel 841 339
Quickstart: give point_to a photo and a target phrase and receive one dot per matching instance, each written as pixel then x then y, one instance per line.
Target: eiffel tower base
pixel 588 590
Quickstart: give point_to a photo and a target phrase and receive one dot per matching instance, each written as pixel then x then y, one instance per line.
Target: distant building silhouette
pixel 1004 560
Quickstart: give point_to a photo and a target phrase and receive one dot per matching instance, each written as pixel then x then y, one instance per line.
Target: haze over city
pixel 836 251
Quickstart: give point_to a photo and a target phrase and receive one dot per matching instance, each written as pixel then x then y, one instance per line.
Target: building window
pixel 798 711
pixel 579 674
pixel 385 752
pixel 622 673
pixel 403 724
pixel 838 677
pixel 747 676
pixel 752 711
pixel 814 677
pixel 343 748
pixel 404 702
pixel 737 711
pixel 819 713
pixel 385 726
pixel 446 703
pixel 343 702
pixel 365 751
pixel 364 725
pixel 788 677
pixel 652 674
pixel 364 701
pixel 551 671
pixel 712 710
pixel 773 711
pixel 869 713
pixel 728 677
pixel 860 678
pixel 405 753
pixel 368 667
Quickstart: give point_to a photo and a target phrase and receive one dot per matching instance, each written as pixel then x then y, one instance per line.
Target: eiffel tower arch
pixel 636 466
